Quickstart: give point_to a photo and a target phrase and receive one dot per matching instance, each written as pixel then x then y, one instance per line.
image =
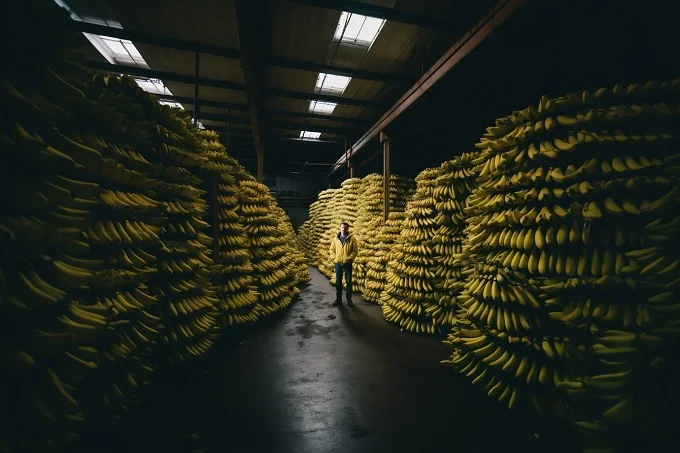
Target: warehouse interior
pixel 174 174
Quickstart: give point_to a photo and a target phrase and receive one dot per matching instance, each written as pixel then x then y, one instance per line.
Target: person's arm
pixel 331 250
pixel 354 250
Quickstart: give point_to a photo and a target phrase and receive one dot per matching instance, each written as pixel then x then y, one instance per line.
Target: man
pixel 343 250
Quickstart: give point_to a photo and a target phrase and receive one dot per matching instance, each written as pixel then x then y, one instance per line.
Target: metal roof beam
pixel 317 116
pixel 204 103
pixel 313 128
pixel 275 124
pixel 273 112
pixel 192 46
pixel 164 75
pixel 481 30
pixel 380 12
pixel 326 97
pixel 347 72
pixel 226 85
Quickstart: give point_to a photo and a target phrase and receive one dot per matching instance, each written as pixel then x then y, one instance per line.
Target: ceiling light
pixel 306 135
pixel 322 107
pixel 358 29
pixel 332 83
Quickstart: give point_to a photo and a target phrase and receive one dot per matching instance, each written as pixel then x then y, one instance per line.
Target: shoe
pixel 337 303
pixel 349 303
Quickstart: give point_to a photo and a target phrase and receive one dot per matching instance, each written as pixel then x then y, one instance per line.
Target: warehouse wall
pixel 297 215
pixel 310 184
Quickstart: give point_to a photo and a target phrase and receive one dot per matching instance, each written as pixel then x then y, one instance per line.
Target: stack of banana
pixel 410 274
pixel 368 221
pixel 304 238
pixel 126 233
pixel 298 258
pixel 50 331
pixel 167 137
pixel 74 253
pixel 452 189
pixel 573 301
pixel 309 234
pixel 274 272
pixel 232 271
pixel 402 190
pixel 329 228
pixel 348 207
pixel 378 252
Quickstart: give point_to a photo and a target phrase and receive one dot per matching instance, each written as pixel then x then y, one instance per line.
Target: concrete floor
pixel 328 379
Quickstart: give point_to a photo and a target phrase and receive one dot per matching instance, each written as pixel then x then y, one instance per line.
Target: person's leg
pixel 348 280
pixel 338 284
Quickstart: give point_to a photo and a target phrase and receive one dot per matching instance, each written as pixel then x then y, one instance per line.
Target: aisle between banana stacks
pixel 318 378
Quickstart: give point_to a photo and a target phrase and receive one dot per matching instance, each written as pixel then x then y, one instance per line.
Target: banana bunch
pixel 272 253
pixel 378 252
pixel 167 138
pixel 348 206
pixel 232 272
pixel 370 219
pixel 409 291
pixel 51 349
pixel 450 191
pixel 569 241
pixel 299 261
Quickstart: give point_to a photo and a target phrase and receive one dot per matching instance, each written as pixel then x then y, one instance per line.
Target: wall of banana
pixel 359 202
pixel 106 261
pixel 298 262
pixel 370 219
pixel 232 273
pixel 425 276
pixel 379 252
pixel 550 256
pixel 572 302
pixel 275 274
pixel 409 273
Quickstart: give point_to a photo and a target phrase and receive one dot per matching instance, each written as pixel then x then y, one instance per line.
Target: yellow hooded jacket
pixel 342 254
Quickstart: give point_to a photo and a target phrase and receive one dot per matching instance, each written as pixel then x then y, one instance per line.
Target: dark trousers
pixel 339 268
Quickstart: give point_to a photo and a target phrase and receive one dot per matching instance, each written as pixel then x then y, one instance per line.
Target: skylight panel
pixel 370 30
pixel 171 103
pixel 115 45
pixel 322 107
pixel 120 51
pixel 354 26
pixel 332 83
pixel 154 86
pixel 306 135
pixel 132 50
pixel 358 29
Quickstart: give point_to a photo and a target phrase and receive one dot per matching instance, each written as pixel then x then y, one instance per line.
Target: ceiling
pixel 259 63
pixel 291 43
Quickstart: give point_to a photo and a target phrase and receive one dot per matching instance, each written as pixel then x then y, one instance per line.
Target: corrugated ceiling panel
pixel 207 21
pixel 208 93
pixel 299 31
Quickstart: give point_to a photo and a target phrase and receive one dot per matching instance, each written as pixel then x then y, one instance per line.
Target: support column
pixel 351 171
pixel 260 165
pixel 196 105
pixel 385 140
